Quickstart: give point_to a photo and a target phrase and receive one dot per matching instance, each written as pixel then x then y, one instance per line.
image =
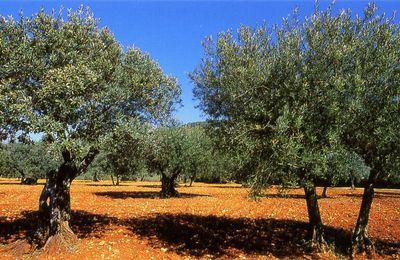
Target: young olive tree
pixel 69 80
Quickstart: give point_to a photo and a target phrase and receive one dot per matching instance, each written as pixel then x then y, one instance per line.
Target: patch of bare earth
pixel 208 221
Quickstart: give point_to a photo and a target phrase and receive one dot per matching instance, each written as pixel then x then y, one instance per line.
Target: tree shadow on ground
pixel 186 185
pixel 387 248
pixel 377 194
pixel 283 196
pixel 212 235
pixel 84 224
pixel 219 186
pixel 196 235
pixel 19 183
pixel 388 194
pixel 107 185
pixel 13 229
pixel 158 186
pixel 142 194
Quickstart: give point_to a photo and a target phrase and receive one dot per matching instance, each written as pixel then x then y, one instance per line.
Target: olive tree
pixel 343 167
pixel 27 161
pixel 123 151
pixel 163 153
pixel 70 81
pixel 368 103
pixel 258 89
pixel 292 95
pixel 198 153
pixel 175 151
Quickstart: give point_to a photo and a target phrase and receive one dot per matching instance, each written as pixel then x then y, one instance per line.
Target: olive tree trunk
pixel 323 195
pixel 95 178
pixel 55 210
pixel 168 186
pixel 118 179
pixel 115 183
pixel 360 239
pixel 316 228
pixel 53 232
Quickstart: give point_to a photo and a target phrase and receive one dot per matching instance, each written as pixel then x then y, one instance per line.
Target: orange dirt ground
pixel 207 221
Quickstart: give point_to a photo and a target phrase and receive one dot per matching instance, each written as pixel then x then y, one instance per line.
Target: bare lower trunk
pixel 191 182
pixel 323 195
pixel 95 178
pixel 360 240
pixel 352 184
pixel 168 186
pixel 118 179
pixel 112 179
pixel 54 233
pixel 316 228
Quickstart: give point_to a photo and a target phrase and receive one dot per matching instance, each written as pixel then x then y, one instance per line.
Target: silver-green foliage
pixel 290 95
pixel 177 150
pixel 68 79
pixel 26 160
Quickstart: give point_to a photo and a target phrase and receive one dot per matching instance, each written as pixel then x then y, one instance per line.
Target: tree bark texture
pixel 55 210
pixel 316 228
pixel 360 239
pixel 168 186
pixel 53 233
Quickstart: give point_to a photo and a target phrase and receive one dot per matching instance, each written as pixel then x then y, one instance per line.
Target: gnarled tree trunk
pixel 53 233
pixel 168 186
pixel 360 240
pixel 316 228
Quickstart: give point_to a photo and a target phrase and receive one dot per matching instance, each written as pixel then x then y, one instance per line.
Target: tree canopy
pixel 26 160
pixel 177 151
pixel 291 95
pixel 67 79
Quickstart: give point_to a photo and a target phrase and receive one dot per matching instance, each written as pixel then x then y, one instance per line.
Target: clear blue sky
pixel 172 31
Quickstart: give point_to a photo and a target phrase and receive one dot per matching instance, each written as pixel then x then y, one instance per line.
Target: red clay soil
pixel 208 221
